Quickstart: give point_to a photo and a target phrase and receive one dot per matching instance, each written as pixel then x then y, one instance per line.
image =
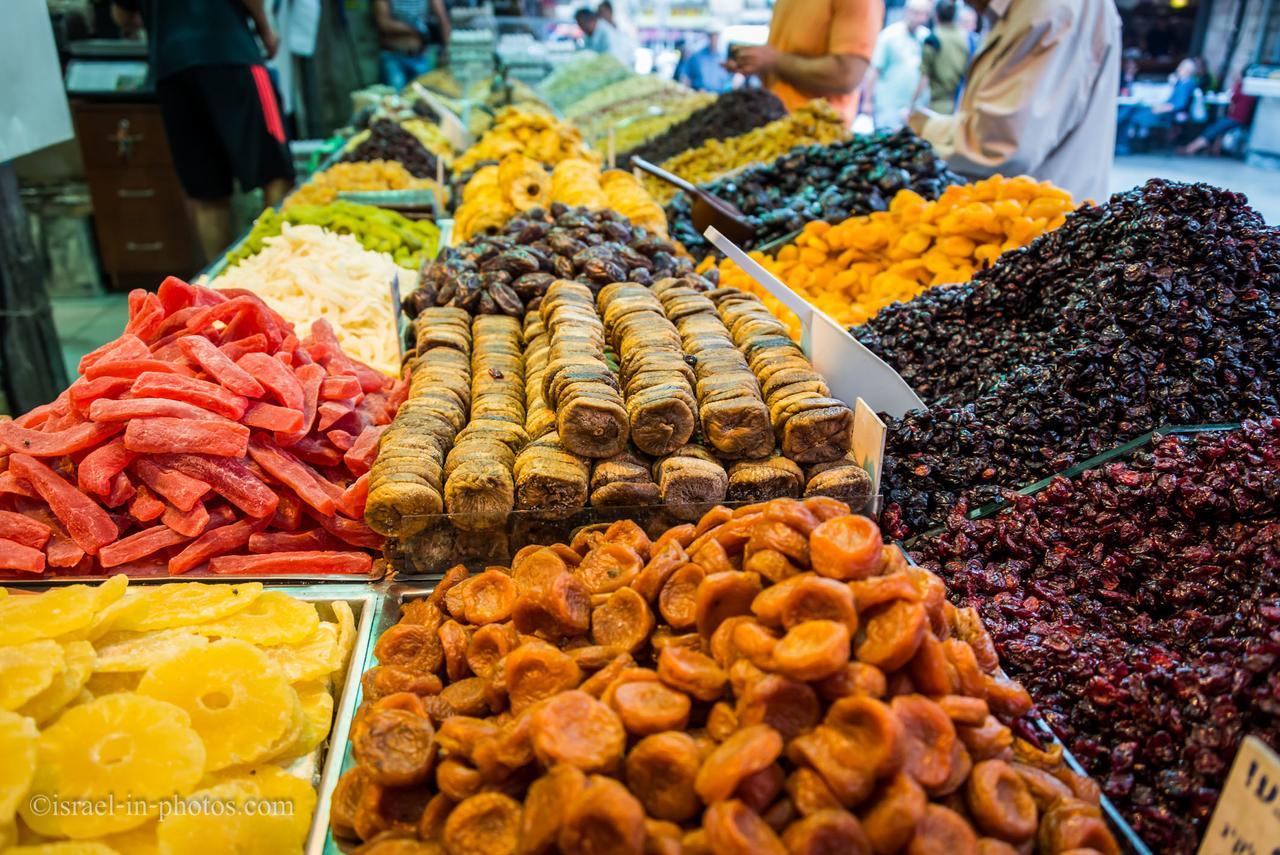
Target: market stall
pixel 544 532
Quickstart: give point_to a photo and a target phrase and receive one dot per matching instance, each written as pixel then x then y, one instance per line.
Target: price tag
pixel 1246 820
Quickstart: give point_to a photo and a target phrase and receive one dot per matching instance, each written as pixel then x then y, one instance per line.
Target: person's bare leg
pixel 274 191
pixel 213 225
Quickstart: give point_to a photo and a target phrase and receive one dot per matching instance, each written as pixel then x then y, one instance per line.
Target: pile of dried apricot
pixel 772 680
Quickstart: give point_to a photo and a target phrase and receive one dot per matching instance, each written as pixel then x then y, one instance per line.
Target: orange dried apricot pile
pixel 624 695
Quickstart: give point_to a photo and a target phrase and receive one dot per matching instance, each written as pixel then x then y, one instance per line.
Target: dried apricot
pixel 780 814
pixel 536 671
pixel 878 590
pixel 969 677
pixel 575 728
pixel 628 675
pixel 344 803
pixel 718 515
pixel 398 747
pixel 694 842
pixel 431 824
pixel 788 706
pixel 991 740
pixel 458 734
pixel 627 532
pixel 942 831
pixel 536 570
pixel 963 710
pixel 792 513
pixel 809 793
pixel 425 612
pixel 591 657
pixel 825 508
pixel 488 645
pixel 931 671
pixel 604 818
pixel 678 600
pixel 666 560
pixel 722 721
pixel 825 750
pixel 961 766
pixel 559 609
pixel 742 674
pixel 892 635
pixel 872 730
pixel 991 846
pixel 413 647
pixel 713 558
pixel 664 637
pixel 933 596
pixel 692 672
pixel 846 547
pixel 457 780
pixel 489 597
pixel 780 537
pixel 451 578
pixel 723 595
pixel 819 598
pixel 681 534
pixel 754 641
pixel 853 678
pixel 608 567
pixel 748 751
pixel 1046 790
pixel 454 640
pixel 929 737
pixel 587 538
pixel 467 696
pixel 812 650
pixel 734 829
pixel 514 745
pixel 894 813
pixel 650 707
pixel 967 625
pixel 545 806
pixel 623 621
pixel 825 831
pixel 661 770
pixel 734 534
pixel 597 683
pixel 1000 803
pixel 758 790
pixel 382 680
pixel 485 824
pixel 721 646
pixel 771 564
pixel 1005 697
pixel 662 838
pixel 1072 824
pixel 391 810
pixel 455 600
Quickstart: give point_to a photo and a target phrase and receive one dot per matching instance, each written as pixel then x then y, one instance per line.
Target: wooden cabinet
pixel 139 211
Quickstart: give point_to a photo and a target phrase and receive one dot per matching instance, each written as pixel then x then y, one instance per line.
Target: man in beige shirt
pixel 1039 97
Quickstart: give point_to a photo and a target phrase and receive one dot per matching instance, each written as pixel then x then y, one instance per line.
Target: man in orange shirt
pixel 816 49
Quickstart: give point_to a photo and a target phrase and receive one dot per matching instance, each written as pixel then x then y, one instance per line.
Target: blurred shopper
pixel 704 68
pixel 1238 117
pixel 217 102
pixel 1039 98
pixel 623 27
pixel 413 36
pixel 603 37
pixel 890 88
pixel 816 49
pixel 943 59
pixel 1142 122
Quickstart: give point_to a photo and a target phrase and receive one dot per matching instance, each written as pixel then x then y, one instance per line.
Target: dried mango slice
pixel 57 612
pixel 314 658
pixel 122 652
pixel 129 746
pixel 18 740
pixel 273 618
pixel 190 603
pixel 79 660
pixel 28 669
pixel 240 704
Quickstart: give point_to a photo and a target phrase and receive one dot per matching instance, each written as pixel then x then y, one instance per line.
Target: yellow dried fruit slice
pixel 131 748
pixel 28 669
pixel 101 684
pixel 56 612
pixel 317 708
pixel 267 815
pixel 64 847
pixel 273 618
pixel 18 740
pixel 346 632
pixel 239 702
pixel 8 830
pixel 131 606
pixel 127 651
pixel 135 841
pixel 187 604
pixel 79 658
pixel 315 658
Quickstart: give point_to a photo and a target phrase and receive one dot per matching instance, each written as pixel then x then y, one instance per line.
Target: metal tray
pixel 46 580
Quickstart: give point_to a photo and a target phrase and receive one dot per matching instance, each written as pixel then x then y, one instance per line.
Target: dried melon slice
pixel 126 651
pixel 273 618
pixel 79 658
pixel 187 604
pixel 133 748
pixel 18 740
pixel 239 702
pixel 315 658
pixel 28 669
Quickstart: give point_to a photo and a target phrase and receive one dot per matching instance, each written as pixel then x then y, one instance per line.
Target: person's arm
pixel 446 26
pixel 258 12
pixel 1019 107
pixel 850 41
pixel 390 25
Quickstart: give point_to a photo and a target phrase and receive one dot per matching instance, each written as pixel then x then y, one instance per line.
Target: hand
pixel 760 60
pixel 270 41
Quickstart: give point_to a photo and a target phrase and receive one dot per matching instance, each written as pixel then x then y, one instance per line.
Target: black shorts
pixel 223 122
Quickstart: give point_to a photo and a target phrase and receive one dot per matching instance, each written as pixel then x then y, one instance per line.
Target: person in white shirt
pixel 1039 97
pixel 894 76
pixel 603 37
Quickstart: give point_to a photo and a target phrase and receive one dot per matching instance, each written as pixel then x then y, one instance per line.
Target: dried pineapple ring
pixel 66 685
pixel 127 651
pixel 28 669
pixel 317 709
pixel 273 618
pixel 315 658
pixel 18 740
pixel 135 841
pixel 57 612
pixel 239 703
pixel 244 829
pixel 131 607
pixel 127 746
pixel 346 631
pixel 64 847
pixel 101 684
pixel 189 603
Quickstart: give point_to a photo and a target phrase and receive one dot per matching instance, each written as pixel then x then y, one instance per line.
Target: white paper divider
pixel 1247 816
pixel 454 131
pixel 851 370
pixel 868 442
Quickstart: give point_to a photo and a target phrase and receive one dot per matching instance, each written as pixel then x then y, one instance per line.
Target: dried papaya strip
pixel 219 366
pixel 339 388
pixel 127 346
pixel 355 497
pixel 87 523
pixel 56 444
pixel 137 367
pixel 82 393
pixel 264 416
pixel 106 410
pixel 359 458
pixel 24 530
pixel 140 545
pixel 212 543
pixel 99 467
pixel 293 473
pixel 309 378
pixel 180 490
pixel 122 490
pixel 187 523
pixel 339 563
pixel 61 550
pixel 229 478
pixel 324 348
pixel 256 343
pixel 202 393
pixel 341 439
pixel 330 412
pixel 219 438
pixel 20 557
pixel 289 541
